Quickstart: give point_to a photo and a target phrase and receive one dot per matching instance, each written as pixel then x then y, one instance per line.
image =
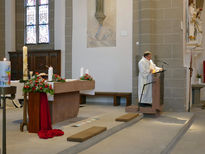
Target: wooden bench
pixel 116 97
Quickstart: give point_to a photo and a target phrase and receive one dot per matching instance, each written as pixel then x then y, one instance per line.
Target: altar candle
pixel 50 73
pixel 81 71
pixel 25 63
pixel 5 73
pixel 86 71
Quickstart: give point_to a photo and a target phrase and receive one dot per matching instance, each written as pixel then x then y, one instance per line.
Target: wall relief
pixel 101 23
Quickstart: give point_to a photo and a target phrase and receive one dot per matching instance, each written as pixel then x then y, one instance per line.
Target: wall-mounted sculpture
pixel 99 14
pixel 101 23
pixel 194 23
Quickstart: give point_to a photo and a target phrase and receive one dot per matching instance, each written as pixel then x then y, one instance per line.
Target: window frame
pixel 37 23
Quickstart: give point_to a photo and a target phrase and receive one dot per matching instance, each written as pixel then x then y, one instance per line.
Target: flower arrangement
pixel 198 76
pixel 58 78
pixel 86 77
pixel 37 84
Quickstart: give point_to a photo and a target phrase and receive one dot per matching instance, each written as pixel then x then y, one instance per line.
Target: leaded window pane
pixel 43 14
pixel 43 34
pixel 31 34
pixel 31 15
pixel 31 2
pixel 43 2
pixel 37 21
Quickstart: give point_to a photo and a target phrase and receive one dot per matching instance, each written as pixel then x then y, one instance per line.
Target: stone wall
pixel 20 13
pixel 157 28
pixel 2 29
pixel 68 39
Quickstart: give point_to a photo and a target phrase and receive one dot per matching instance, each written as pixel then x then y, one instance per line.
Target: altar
pixel 64 105
pixel 67 99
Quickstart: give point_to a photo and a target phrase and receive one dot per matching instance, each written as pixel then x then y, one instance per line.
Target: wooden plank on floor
pixel 127 117
pixel 86 134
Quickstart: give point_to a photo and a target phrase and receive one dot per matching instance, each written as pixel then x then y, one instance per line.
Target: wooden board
pixel 86 134
pixel 127 117
pixel 71 86
pixel 34 112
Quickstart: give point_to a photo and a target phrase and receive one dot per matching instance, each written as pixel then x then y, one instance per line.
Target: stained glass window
pixel 31 34
pixel 43 2
pixel 37 21
pixel 30 2
pixel 43 34
pixel 43 14
pixel 31 15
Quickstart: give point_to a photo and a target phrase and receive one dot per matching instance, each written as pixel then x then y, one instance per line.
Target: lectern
pixel 157 94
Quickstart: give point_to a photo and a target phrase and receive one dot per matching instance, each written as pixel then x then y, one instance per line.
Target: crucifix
pixel 99 14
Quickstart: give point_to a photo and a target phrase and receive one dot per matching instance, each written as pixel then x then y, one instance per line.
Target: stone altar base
pixel 64 106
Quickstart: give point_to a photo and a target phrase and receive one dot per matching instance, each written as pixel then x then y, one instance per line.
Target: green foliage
pixel 57 78
pixel 86 77
pixel 198 76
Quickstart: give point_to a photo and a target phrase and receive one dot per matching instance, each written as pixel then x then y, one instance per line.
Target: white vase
pixel 199 80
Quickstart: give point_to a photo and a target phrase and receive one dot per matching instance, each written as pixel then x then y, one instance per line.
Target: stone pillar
pixel 2 29
pixel 157 28
pixel 68 39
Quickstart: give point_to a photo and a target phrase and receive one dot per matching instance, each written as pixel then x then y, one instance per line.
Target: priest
pixel 146 68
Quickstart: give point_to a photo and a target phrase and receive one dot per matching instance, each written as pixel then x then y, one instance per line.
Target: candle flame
pixel 4 59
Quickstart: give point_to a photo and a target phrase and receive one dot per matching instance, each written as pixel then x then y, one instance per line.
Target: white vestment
pixel 145 77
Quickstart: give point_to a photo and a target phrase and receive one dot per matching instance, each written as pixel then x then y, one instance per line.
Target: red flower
pixel 37 84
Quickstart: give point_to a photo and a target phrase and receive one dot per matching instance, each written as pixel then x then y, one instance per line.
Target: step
pixel 104 121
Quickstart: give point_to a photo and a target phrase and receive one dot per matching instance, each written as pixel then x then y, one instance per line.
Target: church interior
pixel 71 79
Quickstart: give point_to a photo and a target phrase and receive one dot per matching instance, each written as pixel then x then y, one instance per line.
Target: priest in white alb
pixel 146 68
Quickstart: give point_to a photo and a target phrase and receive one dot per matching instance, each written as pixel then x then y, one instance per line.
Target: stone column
pixel 68 38
pixel 2 29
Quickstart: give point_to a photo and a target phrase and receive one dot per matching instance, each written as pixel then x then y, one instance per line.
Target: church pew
pixel 116 97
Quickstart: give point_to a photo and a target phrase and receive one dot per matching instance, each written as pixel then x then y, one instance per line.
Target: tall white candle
pixel 81 71
pixel 25 63
pixel 86 71
pixel 50 73
pixel 5 73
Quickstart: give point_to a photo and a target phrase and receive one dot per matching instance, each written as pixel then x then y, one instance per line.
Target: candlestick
pixel 25 63
pixel 5 73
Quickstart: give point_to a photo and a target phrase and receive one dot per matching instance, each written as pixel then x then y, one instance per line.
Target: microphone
pixel 164 62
